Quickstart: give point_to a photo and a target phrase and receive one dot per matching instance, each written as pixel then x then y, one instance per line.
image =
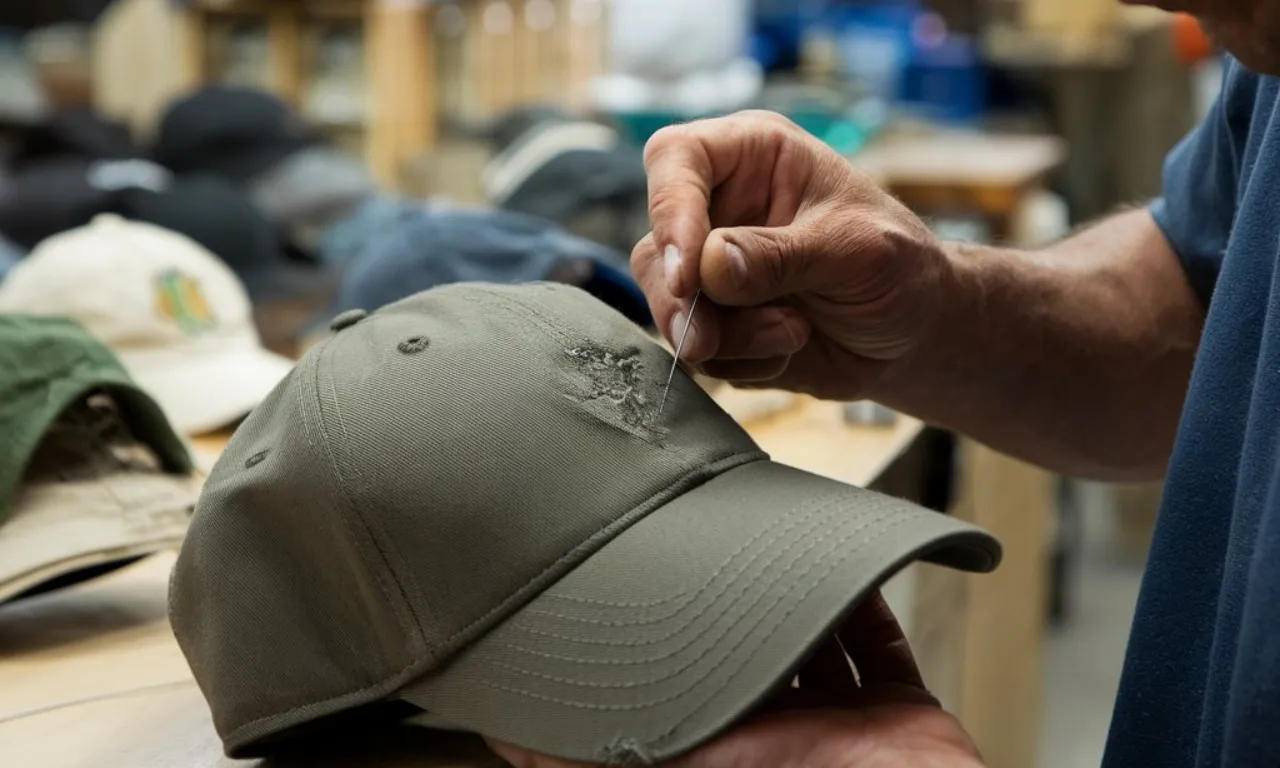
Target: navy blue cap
pixel 234 131
pixel 53 195
pixel 73 132
pixel 394 249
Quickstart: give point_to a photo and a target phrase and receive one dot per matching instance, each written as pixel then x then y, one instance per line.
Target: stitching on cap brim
pixel 647 699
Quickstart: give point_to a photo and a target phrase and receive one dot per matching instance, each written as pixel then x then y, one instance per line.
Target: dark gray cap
pixel 468 501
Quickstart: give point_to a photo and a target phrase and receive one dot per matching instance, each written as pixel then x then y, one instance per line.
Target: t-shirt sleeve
pixel 1201 179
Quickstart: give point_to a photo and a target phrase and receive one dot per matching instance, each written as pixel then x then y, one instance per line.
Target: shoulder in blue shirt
pixel 1201 683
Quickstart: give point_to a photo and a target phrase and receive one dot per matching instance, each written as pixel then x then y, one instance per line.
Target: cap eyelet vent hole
pixel 413 345
pixel 256 459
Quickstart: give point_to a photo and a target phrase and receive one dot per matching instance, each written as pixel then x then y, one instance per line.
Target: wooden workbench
pixel 423 61
pixel 92 676
pixel 997 694
pixel 962 172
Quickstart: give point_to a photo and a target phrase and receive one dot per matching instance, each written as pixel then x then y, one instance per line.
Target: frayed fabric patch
pixel 618 379
pixel 626 753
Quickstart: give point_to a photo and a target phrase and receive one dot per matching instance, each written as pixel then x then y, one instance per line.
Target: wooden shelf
pixel 414 72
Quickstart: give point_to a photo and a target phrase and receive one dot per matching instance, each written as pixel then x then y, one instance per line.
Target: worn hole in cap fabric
pixel 414 344
pixel 255 459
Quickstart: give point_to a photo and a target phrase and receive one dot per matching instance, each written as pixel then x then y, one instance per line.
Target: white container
pixel 669 39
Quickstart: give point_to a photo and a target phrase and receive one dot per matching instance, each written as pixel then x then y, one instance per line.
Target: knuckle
pixel 779 261
pixel 664 202
pixel 773 120
pixel 662 141
pixel 866 240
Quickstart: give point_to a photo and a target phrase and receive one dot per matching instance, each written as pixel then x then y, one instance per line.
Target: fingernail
pixel 678 322
pixel 774 341
pixel 737 263
pixel 671 267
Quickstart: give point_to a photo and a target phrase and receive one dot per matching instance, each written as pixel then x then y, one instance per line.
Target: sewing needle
pixel 688 321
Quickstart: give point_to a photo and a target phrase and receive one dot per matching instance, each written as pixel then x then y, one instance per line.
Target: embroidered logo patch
pixel 180 300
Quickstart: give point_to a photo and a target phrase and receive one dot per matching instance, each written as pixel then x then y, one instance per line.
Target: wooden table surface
pixel 91 676
pixel 961 158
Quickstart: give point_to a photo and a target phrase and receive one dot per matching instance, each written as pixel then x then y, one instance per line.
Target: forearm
pixel 1075 357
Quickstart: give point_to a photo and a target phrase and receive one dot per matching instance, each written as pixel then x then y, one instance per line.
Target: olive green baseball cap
pixel 46 365
pixel 470 503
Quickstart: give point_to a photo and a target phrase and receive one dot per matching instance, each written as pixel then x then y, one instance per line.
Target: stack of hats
pixel 254 139
pixel 76 165
pixel 73 132
pixel 577 173
pixel 178 317
pixel 54 179
pixel 92 476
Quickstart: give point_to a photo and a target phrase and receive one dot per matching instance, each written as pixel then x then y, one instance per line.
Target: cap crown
pixel 415 480
pixel 135 287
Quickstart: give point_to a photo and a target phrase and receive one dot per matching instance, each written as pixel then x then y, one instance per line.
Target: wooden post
pixel 586 36
pixel 193 44
pixel 284 52
pixel 527 49
pixel 1004 625
pixel 499 60
pixel 402 93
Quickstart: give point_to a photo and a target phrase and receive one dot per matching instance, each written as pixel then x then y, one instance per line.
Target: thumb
pixel 746 266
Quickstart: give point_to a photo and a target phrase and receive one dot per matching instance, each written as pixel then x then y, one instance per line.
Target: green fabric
pixel 46 364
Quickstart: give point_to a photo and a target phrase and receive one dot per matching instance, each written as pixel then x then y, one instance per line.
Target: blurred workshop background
pixel 341 121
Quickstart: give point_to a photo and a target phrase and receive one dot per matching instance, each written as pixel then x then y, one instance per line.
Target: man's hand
pixel 814 279
pixel 884 719
pixel 1075 357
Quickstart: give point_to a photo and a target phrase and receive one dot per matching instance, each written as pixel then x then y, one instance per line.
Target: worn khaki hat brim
pixel 680 625
pixel 59 529
pixel 202 391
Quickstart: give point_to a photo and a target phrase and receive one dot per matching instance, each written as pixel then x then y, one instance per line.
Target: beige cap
pixel 92 499
pixel 178 318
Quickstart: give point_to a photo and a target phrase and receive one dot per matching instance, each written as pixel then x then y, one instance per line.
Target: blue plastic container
pixel 875 43
pixel 946 82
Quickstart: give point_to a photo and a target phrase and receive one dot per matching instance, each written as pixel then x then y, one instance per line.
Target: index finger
pixel 681 177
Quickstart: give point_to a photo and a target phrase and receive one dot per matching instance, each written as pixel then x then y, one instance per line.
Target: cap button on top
pixel 348 319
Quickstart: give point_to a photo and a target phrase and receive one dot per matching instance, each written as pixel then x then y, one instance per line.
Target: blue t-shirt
pixel 1201 683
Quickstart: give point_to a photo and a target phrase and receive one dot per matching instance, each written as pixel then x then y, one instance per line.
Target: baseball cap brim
pixel 205 390
pixel 62 532
pixel 686 621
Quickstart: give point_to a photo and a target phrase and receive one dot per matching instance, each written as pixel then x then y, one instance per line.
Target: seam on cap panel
pixel 742 611
pixel 254 729
pixel 353 510
pixel 693 684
